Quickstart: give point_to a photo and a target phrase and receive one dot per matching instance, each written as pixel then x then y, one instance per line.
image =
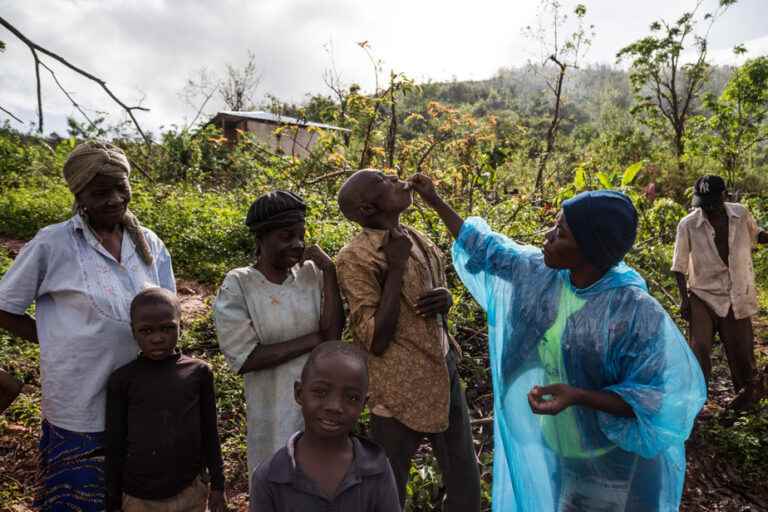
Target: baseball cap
pixel 708 190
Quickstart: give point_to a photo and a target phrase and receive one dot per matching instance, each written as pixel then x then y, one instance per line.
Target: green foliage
pixel 630 173
pixel 744 439
pixel 739 116
pixel 23 211
pixel 5 261
pixel 424 489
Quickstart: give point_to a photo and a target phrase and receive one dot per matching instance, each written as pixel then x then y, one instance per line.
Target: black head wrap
pixel 274 210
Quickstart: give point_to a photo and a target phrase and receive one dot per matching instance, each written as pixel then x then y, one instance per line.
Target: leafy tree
pixel 739 118
pixel 667 88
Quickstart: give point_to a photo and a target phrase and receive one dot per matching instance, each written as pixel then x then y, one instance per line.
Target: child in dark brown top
pixel 161 420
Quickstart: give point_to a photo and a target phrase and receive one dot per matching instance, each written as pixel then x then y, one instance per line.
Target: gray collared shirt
pixel 82 298
pixel 279 484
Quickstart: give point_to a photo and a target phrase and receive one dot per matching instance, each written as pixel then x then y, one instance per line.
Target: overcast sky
pixel 146 49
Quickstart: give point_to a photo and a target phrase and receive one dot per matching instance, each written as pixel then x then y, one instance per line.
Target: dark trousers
pixel 736 336
pixel 453 449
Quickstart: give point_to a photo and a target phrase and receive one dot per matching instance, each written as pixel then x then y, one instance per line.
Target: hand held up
pixel 317 255
pixel 422 185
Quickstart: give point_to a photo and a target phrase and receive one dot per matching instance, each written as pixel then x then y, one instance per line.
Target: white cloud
pixel 148 48
pixel 755 47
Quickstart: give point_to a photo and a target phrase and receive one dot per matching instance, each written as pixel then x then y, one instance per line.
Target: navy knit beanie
pixel 604 223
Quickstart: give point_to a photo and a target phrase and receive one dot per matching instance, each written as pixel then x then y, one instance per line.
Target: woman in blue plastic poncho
pixel 595 389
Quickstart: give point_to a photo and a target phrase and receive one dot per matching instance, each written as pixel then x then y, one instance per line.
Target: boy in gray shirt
pixel 326 467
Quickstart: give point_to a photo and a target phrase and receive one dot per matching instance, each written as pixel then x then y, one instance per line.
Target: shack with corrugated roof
pixel 283 134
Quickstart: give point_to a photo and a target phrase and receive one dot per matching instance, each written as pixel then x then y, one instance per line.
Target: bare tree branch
pixel 39 92
pixel 392 134
pixel 436 142
pixel 35 48
pixel 10 114
pixel 238 87
pixel 134 164
pixel 68 95
pixel 329 175
pixel 202 107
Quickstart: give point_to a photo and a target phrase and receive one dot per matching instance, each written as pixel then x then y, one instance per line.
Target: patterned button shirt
pixel 410 380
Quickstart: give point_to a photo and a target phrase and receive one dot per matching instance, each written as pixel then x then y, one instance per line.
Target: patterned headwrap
pixel 87 161
pixel 278 209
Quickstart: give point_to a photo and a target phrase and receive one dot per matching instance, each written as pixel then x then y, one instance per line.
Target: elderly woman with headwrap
pixel 270 315
pixel 82 275
pixel 595 389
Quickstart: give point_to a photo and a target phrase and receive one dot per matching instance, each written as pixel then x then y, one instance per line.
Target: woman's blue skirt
pixel 71 471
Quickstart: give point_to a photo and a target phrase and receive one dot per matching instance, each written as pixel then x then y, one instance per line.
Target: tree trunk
pixel 552 131
pixel 680 148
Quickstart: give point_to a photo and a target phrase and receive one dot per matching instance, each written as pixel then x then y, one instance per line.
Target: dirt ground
pixel 714 483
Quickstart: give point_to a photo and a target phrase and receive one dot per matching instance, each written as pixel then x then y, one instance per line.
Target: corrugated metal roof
pixel 268 117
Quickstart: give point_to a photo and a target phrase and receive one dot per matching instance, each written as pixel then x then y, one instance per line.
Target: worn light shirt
pixel 82 297
pixel 250 310
pixel 721 286
pixel 409 381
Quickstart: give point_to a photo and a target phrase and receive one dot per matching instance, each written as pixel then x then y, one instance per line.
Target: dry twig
pixel 329 175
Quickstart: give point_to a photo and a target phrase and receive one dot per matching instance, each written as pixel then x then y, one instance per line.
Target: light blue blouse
pixel 82 297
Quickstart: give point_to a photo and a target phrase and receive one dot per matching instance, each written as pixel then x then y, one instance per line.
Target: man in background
pixel 713 248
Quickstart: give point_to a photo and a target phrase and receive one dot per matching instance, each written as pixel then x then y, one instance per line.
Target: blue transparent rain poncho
pixel 611 336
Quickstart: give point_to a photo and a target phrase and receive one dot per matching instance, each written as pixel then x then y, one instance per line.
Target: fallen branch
pixel 481 421
pixel 473 332
pixel 35 48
